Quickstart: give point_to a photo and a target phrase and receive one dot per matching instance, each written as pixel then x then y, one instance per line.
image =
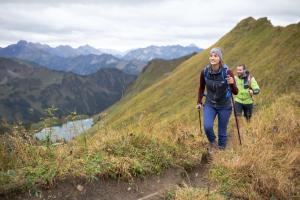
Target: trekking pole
pixel 236 120
pixel 199 113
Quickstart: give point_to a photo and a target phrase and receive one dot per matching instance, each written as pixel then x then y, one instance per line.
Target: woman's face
pixel 214 59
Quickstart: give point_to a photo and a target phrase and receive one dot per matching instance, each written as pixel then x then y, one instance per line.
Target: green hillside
pixel 268 51
pixel 156 70
pixel 167 109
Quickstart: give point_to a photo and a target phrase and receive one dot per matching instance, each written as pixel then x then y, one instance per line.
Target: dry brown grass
pixel 267 165
pixel 191 193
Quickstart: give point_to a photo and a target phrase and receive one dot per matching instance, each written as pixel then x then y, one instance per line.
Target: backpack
pixel 224 76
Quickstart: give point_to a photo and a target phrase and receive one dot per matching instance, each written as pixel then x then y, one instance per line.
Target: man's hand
pixel 230 80
pixel 251 92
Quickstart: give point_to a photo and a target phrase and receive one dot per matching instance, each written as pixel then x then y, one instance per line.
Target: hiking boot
pixel 212 147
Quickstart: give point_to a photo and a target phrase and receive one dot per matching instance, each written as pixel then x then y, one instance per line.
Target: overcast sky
pixel 126 24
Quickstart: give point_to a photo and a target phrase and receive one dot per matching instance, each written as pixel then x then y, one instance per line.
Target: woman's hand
pixel 230 80
pixel 199 105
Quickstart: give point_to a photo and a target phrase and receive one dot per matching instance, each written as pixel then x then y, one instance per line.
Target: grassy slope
pixel 270 53
pixel 266 166
pixel 156 70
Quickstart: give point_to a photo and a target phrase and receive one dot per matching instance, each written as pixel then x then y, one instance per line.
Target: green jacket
pixel 244 86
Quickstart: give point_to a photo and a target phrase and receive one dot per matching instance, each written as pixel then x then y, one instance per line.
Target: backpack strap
pixel 249 78
pixel 206 72
pixel 224 75
pixel 224 72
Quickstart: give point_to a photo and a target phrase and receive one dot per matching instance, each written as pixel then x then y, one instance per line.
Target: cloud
pixel 124 24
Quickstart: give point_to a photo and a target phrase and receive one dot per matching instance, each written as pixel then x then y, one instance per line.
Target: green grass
pixel 157 69
pixel 118 154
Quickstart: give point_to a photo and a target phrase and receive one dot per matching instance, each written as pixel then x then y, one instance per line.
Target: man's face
pixel 240 70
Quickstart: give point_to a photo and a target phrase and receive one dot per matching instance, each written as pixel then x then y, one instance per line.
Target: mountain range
pixel 164 52
pixel 87 60
pixel 26 89
pixel 35 76
pixel 83 60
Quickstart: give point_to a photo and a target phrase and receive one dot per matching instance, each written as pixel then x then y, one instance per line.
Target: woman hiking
pixel 219 82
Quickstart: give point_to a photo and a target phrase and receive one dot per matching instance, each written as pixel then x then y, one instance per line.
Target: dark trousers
pixel 244 108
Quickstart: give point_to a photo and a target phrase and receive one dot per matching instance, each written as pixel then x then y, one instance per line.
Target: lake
pixel 66 131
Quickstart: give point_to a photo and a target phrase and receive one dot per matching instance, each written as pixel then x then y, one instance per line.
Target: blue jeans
pixel 223 119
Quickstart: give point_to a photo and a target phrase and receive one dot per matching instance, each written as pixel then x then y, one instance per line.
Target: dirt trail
pixel 149 188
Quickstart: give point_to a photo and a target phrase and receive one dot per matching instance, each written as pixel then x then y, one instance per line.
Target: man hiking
pixel 219 82
pixel 248 87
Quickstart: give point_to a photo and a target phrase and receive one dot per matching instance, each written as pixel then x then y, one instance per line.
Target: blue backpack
pixel 224 76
